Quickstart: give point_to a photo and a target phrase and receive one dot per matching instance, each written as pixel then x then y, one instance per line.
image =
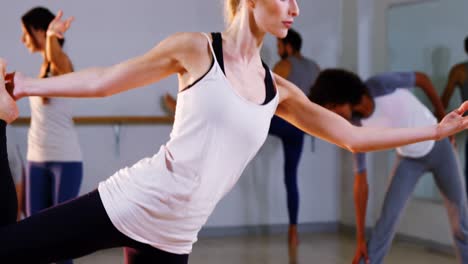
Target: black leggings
pixel 8 200
pixel 293 140
pixel 70 230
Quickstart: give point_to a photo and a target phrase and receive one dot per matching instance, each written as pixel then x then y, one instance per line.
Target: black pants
pixel 69 230
pixel 293 140
pixel 8 200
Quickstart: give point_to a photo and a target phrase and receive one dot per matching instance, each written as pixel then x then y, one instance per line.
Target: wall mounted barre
pixel 109 120
pixel 115 121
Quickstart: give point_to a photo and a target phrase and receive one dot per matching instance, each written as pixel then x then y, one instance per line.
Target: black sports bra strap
pixel 269 85
pixel 218 49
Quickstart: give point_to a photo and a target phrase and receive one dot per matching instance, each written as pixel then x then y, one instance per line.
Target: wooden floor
pixel 314 248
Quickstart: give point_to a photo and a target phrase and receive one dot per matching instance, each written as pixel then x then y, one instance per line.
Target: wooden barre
pixel 109 120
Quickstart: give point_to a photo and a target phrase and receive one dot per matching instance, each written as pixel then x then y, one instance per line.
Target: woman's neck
pixel 243 38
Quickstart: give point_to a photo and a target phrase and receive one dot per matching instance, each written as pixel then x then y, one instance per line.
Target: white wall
pixel 107 32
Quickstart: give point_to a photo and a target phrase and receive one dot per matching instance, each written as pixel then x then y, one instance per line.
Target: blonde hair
pixel 232 7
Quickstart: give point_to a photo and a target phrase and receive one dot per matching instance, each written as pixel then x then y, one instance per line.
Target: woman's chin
pixel 280 33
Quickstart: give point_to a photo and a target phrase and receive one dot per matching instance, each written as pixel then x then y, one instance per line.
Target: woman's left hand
pixel 58 26
pixel 453 123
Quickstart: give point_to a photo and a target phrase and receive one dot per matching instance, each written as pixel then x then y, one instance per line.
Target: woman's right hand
pixel 58 27
pixel 16 88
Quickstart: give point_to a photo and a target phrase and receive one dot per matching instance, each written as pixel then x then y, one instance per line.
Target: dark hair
pixel 294 39
pixel 466 44
pixel 337 86
pixel 38 18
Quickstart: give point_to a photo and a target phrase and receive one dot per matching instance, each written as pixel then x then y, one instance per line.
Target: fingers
pixel 59 15
pixel 68 22
pixel 465 122
pixel 463 108
pixel 59 35
pixel 3 64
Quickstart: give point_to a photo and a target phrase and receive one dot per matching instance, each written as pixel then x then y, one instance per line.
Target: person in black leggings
pixel 8 113
pixel 9 209
pixel 86 216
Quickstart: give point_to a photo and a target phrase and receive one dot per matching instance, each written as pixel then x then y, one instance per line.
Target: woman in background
pixel 55 168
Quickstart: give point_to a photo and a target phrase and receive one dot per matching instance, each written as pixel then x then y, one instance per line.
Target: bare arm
pixel 455 79
pixel 361 193
pixel 315 120
pixel 53 51
pixel 55 55
pixel 424 82
pixel 167 58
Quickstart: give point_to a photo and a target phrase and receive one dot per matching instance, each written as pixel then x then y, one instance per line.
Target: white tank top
pixel 52 135
pixel 165 200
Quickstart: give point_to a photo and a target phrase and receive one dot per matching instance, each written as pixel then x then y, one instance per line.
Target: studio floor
pixel 314 248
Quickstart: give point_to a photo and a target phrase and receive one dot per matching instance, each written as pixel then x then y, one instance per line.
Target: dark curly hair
pixel 337 86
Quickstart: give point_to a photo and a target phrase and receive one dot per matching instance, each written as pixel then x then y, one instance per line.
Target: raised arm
pixel 180 53
pixel 456 77
pixel 315 120
pixel 53 50
pixel 424 82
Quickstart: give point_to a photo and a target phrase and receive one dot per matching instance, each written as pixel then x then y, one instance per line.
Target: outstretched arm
pixel 315 120
pixel 169 57
pixel 424 82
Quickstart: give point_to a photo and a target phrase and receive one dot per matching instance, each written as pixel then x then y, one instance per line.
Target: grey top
pixel 303 73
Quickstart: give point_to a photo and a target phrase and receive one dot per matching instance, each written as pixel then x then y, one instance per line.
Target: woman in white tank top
pixel 55 169
pixel 157 206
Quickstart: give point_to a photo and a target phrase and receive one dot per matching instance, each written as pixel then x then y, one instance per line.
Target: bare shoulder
pixel 459 72
pixel 286 89
pixel 189 41
pixel 459 68
pixel 283 63
pixel 190 47
pixel 283 68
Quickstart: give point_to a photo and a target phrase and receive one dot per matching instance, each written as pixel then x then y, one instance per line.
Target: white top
pixel 52 135
pixel 165 200
pixel 402 109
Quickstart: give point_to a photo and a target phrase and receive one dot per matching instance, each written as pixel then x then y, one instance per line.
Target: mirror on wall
pixel 428 36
